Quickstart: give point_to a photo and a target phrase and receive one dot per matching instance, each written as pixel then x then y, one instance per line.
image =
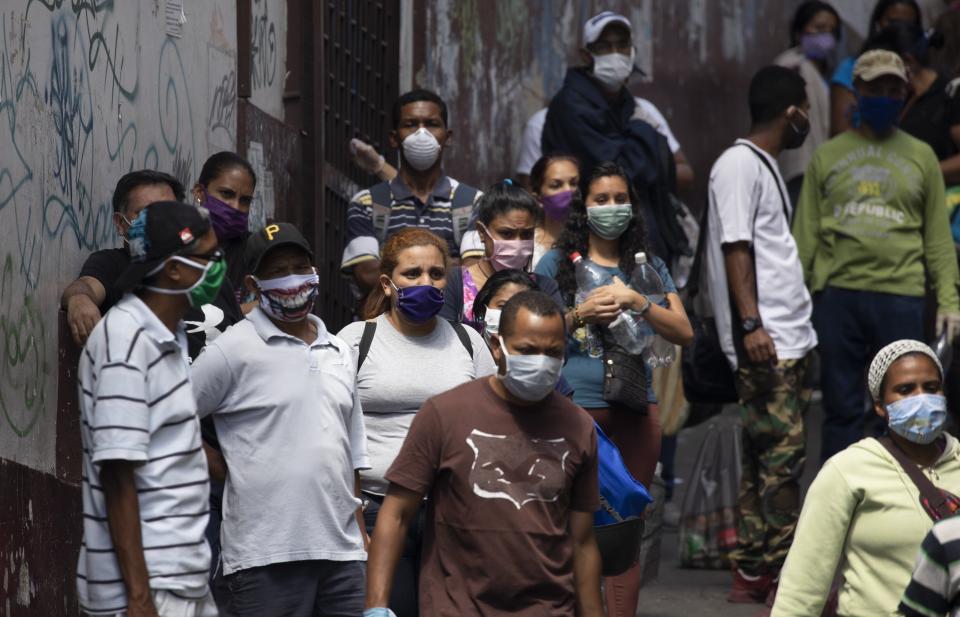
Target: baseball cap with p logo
pixel 269 237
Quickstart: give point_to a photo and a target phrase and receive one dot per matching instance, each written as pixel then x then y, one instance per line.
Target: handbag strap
pixel 939 508
pixel 693 284
pixel 604 504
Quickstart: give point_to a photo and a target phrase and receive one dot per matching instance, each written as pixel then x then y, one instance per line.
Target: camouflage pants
pixel 773 401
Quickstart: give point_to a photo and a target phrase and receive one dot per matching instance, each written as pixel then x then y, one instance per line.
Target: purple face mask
pixel 419 303
pixel 557 206
pixel 228 223
pixel 818 46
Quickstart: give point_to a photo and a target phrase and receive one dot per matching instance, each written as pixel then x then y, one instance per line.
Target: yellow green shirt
pixel 863 513
pixel 872 216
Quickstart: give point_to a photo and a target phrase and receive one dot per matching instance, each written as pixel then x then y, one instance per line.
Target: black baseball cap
pixel 270 237
pixel 161 230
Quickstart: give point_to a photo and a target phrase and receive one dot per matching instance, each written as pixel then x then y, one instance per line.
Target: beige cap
pixel 877 63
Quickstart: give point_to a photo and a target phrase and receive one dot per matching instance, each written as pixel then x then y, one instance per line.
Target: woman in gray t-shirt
pixel 405 355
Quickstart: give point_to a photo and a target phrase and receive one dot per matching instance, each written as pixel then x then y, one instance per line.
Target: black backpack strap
pixel 776 180
pixel 463 196
pixel 461 331
pixel 693 280
pixel 369 329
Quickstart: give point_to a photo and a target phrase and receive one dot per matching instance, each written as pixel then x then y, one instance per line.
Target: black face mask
pixel 796 134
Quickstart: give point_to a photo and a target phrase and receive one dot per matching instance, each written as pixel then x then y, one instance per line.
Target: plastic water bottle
pixel 589 277
pixel 626 328
pixel 645 280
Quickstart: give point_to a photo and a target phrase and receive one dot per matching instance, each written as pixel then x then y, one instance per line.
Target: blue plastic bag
pixel 621 490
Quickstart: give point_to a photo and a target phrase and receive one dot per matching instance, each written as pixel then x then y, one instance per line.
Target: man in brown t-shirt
pixel 510 469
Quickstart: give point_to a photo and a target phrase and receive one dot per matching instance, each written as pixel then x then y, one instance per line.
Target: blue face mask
pixel 419 303
pixel 880 113
pixel 918 419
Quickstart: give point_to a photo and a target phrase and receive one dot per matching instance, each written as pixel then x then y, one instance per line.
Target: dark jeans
pixel 852 326
pixel 316 588
pixel 404 598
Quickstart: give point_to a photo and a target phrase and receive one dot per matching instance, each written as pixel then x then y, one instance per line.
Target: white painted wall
pixel 268 55
pixel 86 95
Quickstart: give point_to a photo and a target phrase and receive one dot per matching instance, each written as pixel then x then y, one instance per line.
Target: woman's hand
pixel 600 307
pixel 626 297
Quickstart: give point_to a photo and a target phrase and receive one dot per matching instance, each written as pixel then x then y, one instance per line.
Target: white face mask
pixel 491 321
pixel 530 378
pixel 421 149
pixel 612 70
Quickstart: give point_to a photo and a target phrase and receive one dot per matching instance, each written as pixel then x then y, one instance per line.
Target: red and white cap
pixel 593 27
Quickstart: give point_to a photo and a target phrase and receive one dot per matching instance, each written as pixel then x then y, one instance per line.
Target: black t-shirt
pixel 106 266
pixel 931 116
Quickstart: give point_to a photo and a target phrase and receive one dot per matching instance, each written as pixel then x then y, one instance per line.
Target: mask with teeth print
pixel 289 298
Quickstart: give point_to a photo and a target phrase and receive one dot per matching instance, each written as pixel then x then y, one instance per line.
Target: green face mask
pixel 204 290
pixel 609 222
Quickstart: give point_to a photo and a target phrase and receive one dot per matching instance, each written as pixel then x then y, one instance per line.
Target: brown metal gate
pixel 361 45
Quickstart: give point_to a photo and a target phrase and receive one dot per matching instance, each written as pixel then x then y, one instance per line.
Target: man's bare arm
pixel 586 565
pixel 82 300
pixel 399 508
pixel 742 282
pixel 123 516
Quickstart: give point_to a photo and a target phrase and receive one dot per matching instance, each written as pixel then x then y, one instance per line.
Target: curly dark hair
pixel 576 234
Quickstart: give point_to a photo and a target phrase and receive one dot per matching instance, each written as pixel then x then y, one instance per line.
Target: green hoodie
pixel 862 512
pixel 872 216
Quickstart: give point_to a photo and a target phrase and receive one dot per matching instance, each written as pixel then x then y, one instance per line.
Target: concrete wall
pixel 498 63
pixel 88 91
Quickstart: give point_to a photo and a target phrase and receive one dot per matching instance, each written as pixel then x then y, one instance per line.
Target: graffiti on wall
pixel 89 90
pixel 268 55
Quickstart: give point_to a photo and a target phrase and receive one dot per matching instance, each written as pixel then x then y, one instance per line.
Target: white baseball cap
pixel 593 27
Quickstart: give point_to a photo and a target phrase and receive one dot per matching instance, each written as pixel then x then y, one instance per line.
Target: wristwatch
pixel 751 323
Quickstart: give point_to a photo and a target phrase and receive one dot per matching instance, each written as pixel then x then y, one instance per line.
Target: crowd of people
pixel 444 453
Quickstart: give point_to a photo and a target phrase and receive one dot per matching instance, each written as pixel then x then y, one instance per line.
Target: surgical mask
pixel 509 254
pixel 609 222
pixel 491 321
pixel 204 290
pixel 880 113
pixel 918 419
pixel 530 378
pixel 228 223
pixel 612 70
pixel 818 46
pixel 797 135
pixel 557 206
pixel 419 303
pixel 421 149
pixel 289 298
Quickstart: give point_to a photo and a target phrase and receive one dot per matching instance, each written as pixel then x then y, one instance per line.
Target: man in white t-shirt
pixel 282 391
pixel 762 310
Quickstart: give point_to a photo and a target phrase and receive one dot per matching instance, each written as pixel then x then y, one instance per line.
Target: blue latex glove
pixel 378 612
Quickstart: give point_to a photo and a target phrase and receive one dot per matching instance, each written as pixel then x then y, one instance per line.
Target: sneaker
pixel 748 589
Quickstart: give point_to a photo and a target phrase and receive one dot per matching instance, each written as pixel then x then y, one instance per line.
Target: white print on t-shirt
pixel 212 317
pixel 517 468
